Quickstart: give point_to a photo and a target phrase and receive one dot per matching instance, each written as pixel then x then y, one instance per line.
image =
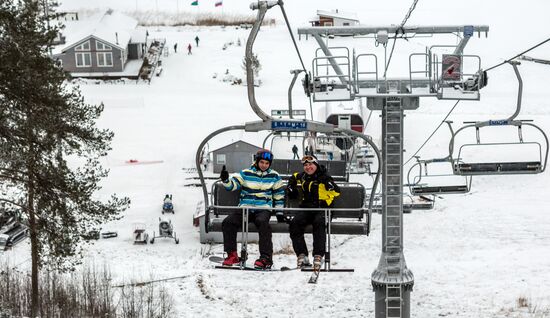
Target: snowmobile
pixel 140 236
pixel 168 206
pixel 166 230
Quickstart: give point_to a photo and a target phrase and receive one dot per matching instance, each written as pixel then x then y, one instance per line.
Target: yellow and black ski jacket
pixel 318 190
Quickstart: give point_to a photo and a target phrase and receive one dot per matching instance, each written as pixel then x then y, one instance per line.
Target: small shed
pixel 235 156
pixel 334 18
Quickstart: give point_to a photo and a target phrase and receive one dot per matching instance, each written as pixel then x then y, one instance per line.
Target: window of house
pixel 346 23
pixel 100 46
pixel 83 59
pixel 83 47
pixel 104 59
pixel 220 159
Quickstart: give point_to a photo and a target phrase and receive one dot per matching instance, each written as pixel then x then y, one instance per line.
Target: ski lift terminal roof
pixel 337 14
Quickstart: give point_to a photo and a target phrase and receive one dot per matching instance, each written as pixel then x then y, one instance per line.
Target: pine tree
pixel 256 65
pixel 49 145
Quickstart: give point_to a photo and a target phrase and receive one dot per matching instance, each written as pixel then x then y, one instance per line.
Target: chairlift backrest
pixel 352 196
pixel 287 167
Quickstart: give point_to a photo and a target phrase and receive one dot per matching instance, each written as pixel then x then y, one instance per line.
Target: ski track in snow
pixel 472 256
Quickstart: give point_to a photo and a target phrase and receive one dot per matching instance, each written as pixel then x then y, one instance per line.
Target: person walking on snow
pixel 318 190
pixel 175 48
pixel 197 40
pixel 261 187
pixel 189 49
pixel 295 152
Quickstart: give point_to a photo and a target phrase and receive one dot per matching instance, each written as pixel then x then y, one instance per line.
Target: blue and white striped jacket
pixel 258 188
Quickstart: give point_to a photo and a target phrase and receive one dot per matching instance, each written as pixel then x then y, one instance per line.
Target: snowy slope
pixel 472 256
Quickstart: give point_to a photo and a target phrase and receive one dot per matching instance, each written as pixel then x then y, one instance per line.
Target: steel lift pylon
pixel 439 77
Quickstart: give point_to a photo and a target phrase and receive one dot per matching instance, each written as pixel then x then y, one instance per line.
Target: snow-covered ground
pixel 472 256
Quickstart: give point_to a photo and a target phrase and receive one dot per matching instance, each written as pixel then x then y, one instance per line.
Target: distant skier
pixel 189 49
pixel 197 40
pixel 176 48
pixel 295 152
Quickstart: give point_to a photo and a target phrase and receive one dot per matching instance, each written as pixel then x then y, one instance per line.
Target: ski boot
pixel 231 259
pixel 302 261
pixel 317 261
pixel 263 263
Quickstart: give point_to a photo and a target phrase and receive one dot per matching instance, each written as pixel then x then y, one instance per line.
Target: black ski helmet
pixel 263 154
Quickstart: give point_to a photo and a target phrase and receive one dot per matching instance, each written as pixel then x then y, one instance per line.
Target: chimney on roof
pixel 116 36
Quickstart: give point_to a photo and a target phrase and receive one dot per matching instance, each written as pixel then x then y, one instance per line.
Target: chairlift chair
pixel 13 235
pixel 268 123
pixel 425 183
pixel 469 168
pixel 421 202
pixel 535 164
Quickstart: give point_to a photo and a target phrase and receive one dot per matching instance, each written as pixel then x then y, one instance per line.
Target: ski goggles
pixel 265 155
pixel 309 159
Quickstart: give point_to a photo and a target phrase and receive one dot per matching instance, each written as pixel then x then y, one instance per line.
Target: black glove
pixel 291 192
pixel 224 175
pixel 292 182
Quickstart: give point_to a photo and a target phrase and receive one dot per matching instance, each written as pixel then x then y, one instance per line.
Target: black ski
pixel 216 259
pixel 313 278
pixel 315 274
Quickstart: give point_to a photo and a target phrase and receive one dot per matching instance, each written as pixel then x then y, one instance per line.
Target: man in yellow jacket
pixel 318 190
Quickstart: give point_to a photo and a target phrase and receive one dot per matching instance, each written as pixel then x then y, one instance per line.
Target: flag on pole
pixel 195 3
pixel 218 3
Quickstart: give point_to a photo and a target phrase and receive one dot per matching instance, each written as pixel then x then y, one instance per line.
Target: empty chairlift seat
pixel 444 181
pixel 498 168
pixel 448 189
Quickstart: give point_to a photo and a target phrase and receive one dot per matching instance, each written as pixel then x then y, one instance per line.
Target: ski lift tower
pixel 337 76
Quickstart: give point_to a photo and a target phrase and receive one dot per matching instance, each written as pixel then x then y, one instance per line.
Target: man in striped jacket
pixel 261 187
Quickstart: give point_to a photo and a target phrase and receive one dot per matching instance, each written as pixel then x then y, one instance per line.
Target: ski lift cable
pixel 520 54
pixel 400 28
pixel 433 133
pixel 293 39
